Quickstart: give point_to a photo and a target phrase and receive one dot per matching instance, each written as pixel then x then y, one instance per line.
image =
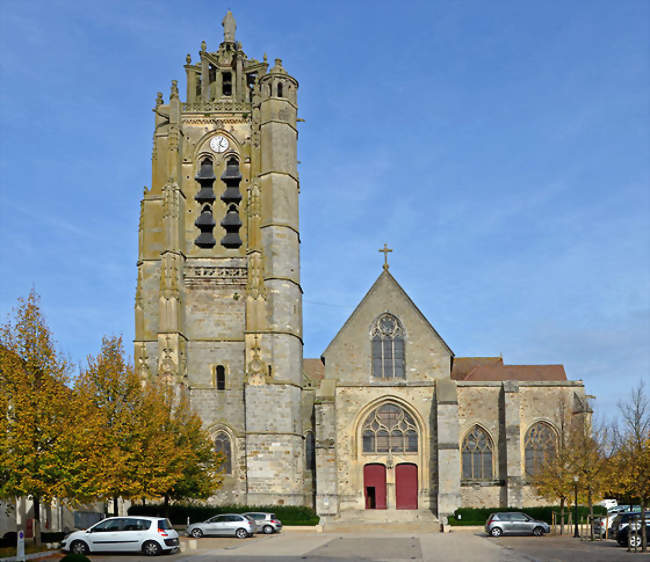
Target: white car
pixel 149 535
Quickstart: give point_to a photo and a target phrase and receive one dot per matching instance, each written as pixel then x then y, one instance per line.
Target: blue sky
pixel 500 148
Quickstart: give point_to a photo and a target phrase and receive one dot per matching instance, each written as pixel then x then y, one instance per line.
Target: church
pixel 388 418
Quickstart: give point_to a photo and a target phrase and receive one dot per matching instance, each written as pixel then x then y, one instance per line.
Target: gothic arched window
pixel 310 451
pixel 387 348
pixel 389 429
pixel 477 455
pixel 222 445
pixel 540 444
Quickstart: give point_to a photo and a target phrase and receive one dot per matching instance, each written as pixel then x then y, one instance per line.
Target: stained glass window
pixel 387 348
pixel 222 445
pixel 389 429
pixel 540 444
pixel 476 455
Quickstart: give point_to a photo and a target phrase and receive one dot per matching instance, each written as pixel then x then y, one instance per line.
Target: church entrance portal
pixel 406 486
pixel 374 486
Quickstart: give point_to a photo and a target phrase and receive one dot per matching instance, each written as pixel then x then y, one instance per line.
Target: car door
pixel 505 522
pixel 234 523
pixel 106 536
pixel 220 525
pixel 133 534
pixel 520 523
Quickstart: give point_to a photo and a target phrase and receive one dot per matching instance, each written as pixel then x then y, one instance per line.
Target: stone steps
pixel 377 520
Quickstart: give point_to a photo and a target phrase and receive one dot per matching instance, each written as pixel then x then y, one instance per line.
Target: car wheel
pixel 151 548
pixel 268 530
pixel 241 533
pixel 635 541
pixel 496 531
pixel 79 547
pixel 197 533
pixel 538 531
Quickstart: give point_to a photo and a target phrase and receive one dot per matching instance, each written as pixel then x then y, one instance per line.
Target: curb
pixel 32 556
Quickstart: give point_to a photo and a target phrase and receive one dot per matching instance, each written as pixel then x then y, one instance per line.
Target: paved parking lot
pixel 460 545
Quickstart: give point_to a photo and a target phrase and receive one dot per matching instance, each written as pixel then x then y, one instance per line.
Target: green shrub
pixel 290 515
pixel 479 515
pixel 74 558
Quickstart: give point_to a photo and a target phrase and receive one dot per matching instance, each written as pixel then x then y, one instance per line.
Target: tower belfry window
pixel 231 197
pixel 280 90
pixel 226 83
pixel 205 197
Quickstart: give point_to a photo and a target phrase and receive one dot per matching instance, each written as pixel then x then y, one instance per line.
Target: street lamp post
pixel 575 508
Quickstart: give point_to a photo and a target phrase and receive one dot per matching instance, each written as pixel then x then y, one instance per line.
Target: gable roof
pixel 463 365
pixel 314 370
pixel 385 275
pixel 491 371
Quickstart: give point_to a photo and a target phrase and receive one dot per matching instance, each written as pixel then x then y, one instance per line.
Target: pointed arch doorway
pixel 374 485
pixel 406 486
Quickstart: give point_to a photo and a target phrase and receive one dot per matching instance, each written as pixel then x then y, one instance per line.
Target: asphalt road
pixel 391 547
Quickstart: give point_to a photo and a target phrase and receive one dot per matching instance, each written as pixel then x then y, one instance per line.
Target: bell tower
pixel 218 305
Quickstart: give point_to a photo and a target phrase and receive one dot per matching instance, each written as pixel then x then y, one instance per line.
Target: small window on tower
pixel 212 74
pixel 280 90
pixel 220 377
pixel 226 83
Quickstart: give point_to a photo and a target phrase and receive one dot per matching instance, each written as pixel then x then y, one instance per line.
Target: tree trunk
pixel 37 520
pixel 644 539
pixel 115 506
pixel 561 516
pixel 167 505
pixel 591 513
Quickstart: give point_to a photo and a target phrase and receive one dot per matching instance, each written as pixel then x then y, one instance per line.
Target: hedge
pixel 290 515
pixel 478 515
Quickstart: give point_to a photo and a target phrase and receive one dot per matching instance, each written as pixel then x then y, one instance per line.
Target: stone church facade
pixel 388 417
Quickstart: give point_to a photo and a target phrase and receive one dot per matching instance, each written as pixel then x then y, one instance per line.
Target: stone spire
pixel 229 27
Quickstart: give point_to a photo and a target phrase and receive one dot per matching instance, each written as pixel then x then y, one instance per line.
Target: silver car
pixel 230 524
pixel 515 523
pixel 267 522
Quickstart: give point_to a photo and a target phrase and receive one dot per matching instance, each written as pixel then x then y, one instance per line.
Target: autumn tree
pixel 111 390
pixel 631 461
pixel 589 461
pixel 200 476
pixel 34 413
pixel 554 479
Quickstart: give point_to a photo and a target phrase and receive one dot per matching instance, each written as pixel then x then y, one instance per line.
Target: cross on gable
pixel 386 250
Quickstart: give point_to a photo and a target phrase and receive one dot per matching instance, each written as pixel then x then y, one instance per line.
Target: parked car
pixel 267 522
pixel 622 520
pixel 608 503
pixel 224 524
pixel 514 523
pixel 623 534
pixel 149 535
pixel 599 526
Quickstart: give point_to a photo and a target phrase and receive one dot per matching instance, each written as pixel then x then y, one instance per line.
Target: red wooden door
pixel 374 486
pixel 406 486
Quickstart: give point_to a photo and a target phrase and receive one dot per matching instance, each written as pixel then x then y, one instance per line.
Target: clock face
pixel 219 143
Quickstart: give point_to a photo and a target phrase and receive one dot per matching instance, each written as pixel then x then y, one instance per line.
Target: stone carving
pixel 166 364
pixel 229 27
pixel 198 277
pixel 188 59
pixel 256 371
pixel 224 105
pixel 204 46
pixel 169 277
pixel 143 362
pixel 255 287
pixel 174 89
pixel 159 99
